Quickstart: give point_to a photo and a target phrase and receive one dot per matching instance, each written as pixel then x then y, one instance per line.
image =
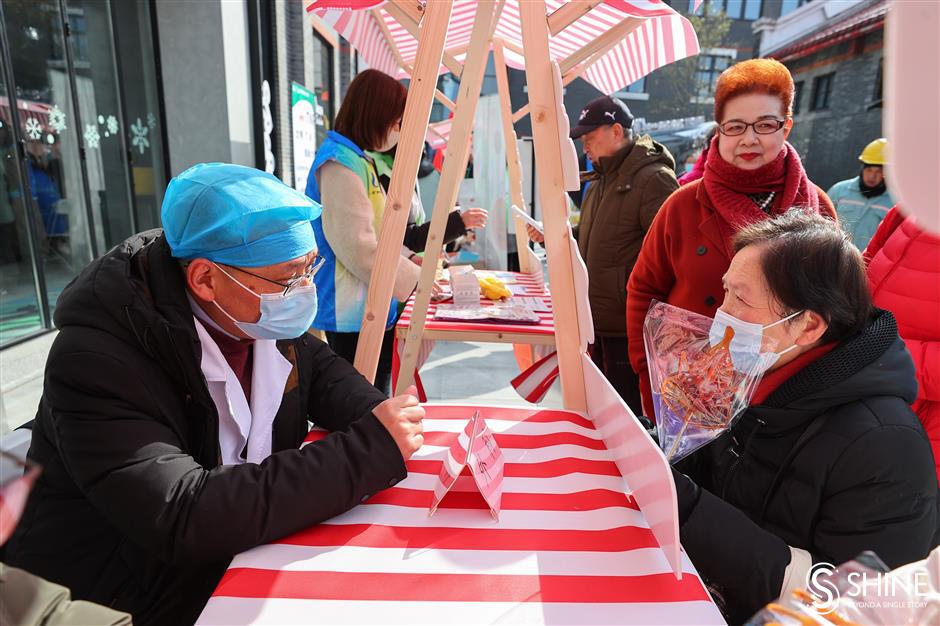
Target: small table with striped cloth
pixel 540 336
pixel 570 545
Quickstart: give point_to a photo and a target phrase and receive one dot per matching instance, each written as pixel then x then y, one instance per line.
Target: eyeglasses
pixel 761 127
pixel 293 283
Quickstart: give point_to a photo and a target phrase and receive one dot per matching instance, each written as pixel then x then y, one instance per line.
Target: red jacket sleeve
pixel 926 356
pixel 890 222
pixel 652 278
pixel 826 207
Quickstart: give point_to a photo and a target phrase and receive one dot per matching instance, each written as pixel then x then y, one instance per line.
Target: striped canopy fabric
pixel 662 38
pixel 438 133
pixel 571 545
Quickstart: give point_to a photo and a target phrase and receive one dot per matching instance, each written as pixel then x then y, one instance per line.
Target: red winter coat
pixel 683 259
pixel 904 275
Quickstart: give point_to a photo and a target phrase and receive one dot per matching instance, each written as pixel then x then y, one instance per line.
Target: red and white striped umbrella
pixel 664 36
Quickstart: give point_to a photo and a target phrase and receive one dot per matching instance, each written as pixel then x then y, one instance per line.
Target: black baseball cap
pixel 602 111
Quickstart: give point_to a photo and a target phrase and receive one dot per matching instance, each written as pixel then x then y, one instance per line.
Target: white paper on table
pixel 465 286
pixel 528 219
pixel 534 304
pixel 523 290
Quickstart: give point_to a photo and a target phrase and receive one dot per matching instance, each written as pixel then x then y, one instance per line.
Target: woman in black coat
pixel 829 460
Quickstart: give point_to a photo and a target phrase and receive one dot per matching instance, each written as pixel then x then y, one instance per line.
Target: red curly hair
pixel 754 76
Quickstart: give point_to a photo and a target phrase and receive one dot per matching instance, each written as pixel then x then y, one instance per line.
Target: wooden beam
pixel 607 40
pixel 566 80
pixel 459 49
pixel 407 67
pixel 325 31
pixel 569 13
pixel 390 41
pixel 402 186
pixel 413 9
pixel 485 337
pixel 455 164
pixel 508 45
pixel 575 72
pixel 513 164
pixel 547 147
pixel 409 15
pixel 447 102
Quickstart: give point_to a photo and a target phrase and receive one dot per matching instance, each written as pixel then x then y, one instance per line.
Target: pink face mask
pixel 18 480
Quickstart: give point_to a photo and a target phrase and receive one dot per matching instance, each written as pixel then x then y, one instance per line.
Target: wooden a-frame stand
pixel 429 25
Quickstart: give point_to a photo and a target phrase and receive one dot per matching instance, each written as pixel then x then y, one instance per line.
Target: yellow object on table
pixel 493 288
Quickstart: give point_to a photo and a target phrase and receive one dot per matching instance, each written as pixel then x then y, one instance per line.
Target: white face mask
pixel 391 141
pixel 283 316
pixel 747 342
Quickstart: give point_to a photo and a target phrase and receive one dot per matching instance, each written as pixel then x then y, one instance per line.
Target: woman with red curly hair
pixel 751 174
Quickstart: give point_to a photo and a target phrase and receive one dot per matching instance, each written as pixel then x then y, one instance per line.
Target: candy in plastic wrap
pixel 697 392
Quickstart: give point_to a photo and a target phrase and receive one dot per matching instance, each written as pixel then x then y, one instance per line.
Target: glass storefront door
pixel 49 130
pixel 103 130
pixel 134 41
pixel 80 144
pixel 20 306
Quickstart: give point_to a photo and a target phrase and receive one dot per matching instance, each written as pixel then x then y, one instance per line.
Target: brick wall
pixel 830 140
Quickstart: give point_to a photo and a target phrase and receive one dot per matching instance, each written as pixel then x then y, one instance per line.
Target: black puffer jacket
pixel 834 462
pixel 133 509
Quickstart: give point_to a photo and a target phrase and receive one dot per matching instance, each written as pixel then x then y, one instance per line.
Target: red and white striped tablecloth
pixel 534 288
pixel 540 336
pixel 569 547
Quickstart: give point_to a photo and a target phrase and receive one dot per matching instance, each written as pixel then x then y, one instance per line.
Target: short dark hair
pixel 373 103
pixel 810 264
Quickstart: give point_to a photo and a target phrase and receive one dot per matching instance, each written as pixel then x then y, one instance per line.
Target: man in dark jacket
pixel 632 177
pixel 177 395
pixel 829 460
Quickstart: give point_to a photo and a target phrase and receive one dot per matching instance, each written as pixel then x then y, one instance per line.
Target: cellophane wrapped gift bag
pixel 697 390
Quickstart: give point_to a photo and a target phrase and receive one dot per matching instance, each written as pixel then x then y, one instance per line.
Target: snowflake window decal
pixel 92 138
pixel 151 121
pixel 112 125
pixel 33 128
pixel 139 132
pixel 57 119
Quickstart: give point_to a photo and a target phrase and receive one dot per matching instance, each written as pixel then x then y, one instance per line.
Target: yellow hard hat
pixel 874 153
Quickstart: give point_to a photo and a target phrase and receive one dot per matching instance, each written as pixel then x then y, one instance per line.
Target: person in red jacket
pixel 751 174
pixel 904 277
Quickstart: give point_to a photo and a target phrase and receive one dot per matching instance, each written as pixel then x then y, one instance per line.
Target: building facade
pixel 739 43
pixel 835 51
pixel 103 101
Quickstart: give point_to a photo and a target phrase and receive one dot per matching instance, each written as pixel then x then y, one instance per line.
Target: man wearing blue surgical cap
pixel 177 395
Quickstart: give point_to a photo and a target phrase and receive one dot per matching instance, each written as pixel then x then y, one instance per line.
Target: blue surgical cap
pixel 236 215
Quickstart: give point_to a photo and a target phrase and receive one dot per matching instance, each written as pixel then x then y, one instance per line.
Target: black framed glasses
pixel 293 283
pixel 762 127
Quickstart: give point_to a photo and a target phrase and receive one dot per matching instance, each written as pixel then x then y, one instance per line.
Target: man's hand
pixel 403 418
pixel 474 218
pixel 534 234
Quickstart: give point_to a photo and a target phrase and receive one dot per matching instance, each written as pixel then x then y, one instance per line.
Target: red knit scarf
pixel 729 187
